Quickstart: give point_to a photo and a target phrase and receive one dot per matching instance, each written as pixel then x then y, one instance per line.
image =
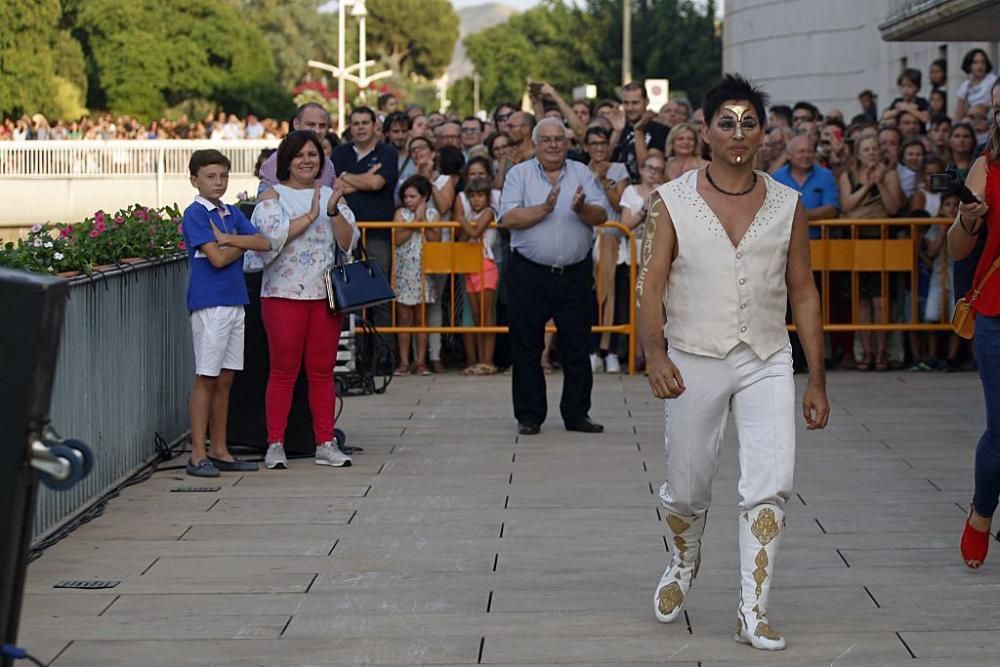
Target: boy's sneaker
pixel 612 365
pixel 596 363
pixel 275 456
pixel 327 454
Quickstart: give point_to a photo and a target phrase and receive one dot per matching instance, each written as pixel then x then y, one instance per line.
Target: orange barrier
pixel 887 247
pixel 459 258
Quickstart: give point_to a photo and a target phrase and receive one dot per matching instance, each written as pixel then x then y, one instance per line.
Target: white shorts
pixel 218 339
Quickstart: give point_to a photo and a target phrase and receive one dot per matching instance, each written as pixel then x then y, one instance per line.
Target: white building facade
pixel 828 51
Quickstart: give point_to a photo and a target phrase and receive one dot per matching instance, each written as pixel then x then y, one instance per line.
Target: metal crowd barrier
pixel 459 258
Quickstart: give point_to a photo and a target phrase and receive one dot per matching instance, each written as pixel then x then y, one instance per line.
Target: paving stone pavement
pixel 452 541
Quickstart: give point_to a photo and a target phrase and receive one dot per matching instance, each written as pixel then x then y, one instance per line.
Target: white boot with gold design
pixel 760 533
pixel 671 592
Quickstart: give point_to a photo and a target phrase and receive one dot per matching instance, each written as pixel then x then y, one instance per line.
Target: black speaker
pixel 247 424
pixel 32 308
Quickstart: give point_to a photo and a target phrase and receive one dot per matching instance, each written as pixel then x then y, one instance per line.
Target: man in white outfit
pixel 725 249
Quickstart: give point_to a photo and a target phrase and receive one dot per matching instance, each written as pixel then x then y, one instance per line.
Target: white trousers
pixel 761 395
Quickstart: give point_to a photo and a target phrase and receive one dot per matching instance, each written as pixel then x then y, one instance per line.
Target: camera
pixel 950 182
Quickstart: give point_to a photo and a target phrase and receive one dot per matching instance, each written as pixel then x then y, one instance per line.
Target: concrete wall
pixel 827 51
pixel 53 199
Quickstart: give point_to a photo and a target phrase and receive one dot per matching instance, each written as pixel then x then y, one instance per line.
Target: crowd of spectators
pixel 107 126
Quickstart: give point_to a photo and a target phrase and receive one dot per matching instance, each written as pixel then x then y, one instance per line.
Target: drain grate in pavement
pixel 195 489
pixel 89 584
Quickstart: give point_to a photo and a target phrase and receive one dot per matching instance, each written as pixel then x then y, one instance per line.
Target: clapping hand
pixel 550 201
pixel 647 116
pixel 618 119
pixel 314 207
pixel 579 199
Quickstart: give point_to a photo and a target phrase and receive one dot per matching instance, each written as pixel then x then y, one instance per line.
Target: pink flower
pixel 141 214
pixel 181 245
pixel 36 228
pixel 119 220
pixel 100 227
pixel 99 217
pixel 180 229
pixel 65 231
pixel 94 233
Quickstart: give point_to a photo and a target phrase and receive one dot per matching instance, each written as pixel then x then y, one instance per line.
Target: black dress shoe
pixel 585 425
pixel 525 428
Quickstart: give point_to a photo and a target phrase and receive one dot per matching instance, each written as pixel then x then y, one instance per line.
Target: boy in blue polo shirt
pixel 216 235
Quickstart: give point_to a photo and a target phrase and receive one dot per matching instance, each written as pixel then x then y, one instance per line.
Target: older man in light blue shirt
pixel 551 206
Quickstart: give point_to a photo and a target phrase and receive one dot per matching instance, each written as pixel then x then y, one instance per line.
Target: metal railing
pixel 460 266
pixel 124 373
pixel 117 158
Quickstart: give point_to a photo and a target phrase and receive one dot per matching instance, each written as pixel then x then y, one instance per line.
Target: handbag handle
pixel 982 283
pixel 363 258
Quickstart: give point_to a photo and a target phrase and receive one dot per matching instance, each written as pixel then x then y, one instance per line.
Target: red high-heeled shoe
pixel 975 544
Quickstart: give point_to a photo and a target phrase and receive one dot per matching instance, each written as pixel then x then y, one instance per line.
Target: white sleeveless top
pixel 717 295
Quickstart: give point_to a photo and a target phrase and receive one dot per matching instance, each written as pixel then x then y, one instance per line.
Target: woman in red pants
pixel 303 220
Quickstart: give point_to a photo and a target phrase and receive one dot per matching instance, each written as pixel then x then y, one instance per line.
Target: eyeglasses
pixel 552 140
pixel 501 117
pixel 470 130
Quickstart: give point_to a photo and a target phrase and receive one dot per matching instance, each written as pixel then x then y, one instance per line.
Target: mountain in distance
pixel 472 20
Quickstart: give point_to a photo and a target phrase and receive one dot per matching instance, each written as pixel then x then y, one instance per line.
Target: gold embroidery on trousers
pixel 765 526
pixel 670 597
pixel 766 631
pixel 760 574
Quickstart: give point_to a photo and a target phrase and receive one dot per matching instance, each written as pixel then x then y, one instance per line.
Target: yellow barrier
pixel 457 258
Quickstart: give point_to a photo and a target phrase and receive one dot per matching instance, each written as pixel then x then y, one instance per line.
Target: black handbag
pixel 352 285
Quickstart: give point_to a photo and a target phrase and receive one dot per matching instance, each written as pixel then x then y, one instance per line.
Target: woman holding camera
pixel 973 220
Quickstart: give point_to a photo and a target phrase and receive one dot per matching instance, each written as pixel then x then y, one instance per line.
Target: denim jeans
pixel 987 344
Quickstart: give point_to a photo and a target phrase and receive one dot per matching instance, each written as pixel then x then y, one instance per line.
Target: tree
pixel 297 32
pixel 26 62
pixel 146 54
pixel 413 36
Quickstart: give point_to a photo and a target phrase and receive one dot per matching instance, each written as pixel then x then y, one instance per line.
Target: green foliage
pixel 266 99
pixel 27 32
pixel 135 232
pixel 674 39
pixel 413 36
pixel 296 32
pixel 175 49
pixel 68 99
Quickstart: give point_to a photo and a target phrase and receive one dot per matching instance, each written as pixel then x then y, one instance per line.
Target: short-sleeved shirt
pixel 819 189
pixel 656 137
pixel 209 286
pixel 370 206
pixel 560 238
pixel 978 93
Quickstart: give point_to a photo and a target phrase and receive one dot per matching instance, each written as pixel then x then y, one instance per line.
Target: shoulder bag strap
pixel 982 283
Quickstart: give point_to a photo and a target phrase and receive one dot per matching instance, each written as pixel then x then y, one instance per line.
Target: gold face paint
pixel 738 110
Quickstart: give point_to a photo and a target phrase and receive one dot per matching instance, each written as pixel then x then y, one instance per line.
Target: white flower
pixel 51 270
pixel 37 243
pixel 58 256
pixel 48 244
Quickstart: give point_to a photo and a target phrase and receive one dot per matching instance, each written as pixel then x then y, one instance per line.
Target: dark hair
pixel 942 63
pixel 261 159
pixel 479 159
pixel 836 122
pixel 935 160
pixel 418 183
pixel 605 103
pixel 867 92
pixel 590 107
pixel 598 130
pixel 784 111
pixel 938 91
pixel 332 137
pixel 963 126
pixel 734 87
pixel 479 185
pixel 490 140
pixel 290 147
pixel 409 144
pixel 368 110
pixel 811 108
pixel 992 147
pixel 970 56
pixel 890 128
pixel 496 112
pixel 939 118
pixel 911 75
pixel 913 142
pixel 395 118
pixel 206 157
pixel 471 118
pixel 382 99
pixel 450 160
pixel 633 86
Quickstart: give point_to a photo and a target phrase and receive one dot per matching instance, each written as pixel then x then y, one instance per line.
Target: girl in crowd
pixel 962 142
pixel 480 287
pixel 683 151
pixel 303 221
pixel 976 89
pixel 870 188
pixel 445 187
pixel 413 286
pixel 613 177
pixel 972 221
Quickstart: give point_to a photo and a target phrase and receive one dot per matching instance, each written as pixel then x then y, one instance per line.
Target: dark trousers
pixel 987 344
pixel 536 294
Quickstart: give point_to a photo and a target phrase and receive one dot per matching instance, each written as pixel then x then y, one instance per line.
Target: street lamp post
pixel 342 72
